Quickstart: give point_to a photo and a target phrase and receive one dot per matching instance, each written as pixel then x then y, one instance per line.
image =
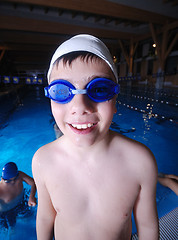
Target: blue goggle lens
pixel 98 90
pixel 102 90
pixel 60 91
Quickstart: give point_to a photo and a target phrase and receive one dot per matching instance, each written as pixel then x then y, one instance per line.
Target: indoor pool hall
pixel 88 120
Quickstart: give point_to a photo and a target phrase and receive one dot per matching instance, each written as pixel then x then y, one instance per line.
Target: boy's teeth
pixel 82 126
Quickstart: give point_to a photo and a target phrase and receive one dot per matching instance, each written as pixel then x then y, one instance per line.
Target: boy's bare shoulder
pixel 128 143
pixel 44 159
pixel 44 154
pixel 47 148
pixel 136 154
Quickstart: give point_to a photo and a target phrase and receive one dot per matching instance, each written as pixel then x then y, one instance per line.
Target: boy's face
pixel 83 121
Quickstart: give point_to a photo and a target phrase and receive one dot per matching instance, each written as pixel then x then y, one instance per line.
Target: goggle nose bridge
pixel 79 91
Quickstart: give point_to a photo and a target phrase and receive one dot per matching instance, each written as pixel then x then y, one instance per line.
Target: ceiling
pixel 30 30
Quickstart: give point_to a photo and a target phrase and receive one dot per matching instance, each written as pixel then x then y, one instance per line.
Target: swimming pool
pixel 25 130
pixel 31 126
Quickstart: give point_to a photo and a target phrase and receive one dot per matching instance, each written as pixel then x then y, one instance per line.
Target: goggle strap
pixel 117 89
pixel 46 92
pixel 79 91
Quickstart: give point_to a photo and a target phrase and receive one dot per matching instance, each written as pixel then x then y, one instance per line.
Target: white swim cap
pixel 84 42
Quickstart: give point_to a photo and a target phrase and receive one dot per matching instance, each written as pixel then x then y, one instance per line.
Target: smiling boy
pixel 90 179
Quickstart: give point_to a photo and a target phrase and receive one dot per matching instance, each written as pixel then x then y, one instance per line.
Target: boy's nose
pixel 81 104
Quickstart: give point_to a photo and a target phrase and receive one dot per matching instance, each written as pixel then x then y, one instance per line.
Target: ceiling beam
pixel 170 26
pixel 23 37
pixel 2 54
pixel 25 47
pixel 101 7
pixel 42 26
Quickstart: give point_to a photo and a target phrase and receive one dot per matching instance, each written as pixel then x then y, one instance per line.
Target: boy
pixel 11 187
pixel 90 179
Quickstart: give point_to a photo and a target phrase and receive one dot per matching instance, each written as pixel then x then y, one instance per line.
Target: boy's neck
pixel 89 150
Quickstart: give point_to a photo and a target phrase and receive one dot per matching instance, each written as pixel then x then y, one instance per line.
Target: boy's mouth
pixel 83 126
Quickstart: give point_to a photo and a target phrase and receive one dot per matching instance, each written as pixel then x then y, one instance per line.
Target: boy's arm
pixel 169 182
pixel 145 211
pixel 45 212
pixel 26 178
pixel 172 176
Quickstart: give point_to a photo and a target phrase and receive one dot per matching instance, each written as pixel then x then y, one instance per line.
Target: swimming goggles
pixel 98 90
pixel 11 179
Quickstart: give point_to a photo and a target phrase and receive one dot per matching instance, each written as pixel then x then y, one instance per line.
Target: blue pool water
pixel 30 126
pixel 25 130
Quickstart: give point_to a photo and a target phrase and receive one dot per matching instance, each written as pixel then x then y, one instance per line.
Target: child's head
pixel 83 87
pixel 9 171
pixel 88 49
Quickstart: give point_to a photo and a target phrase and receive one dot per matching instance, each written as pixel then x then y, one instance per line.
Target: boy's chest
pixel 12 192
pixel 101 197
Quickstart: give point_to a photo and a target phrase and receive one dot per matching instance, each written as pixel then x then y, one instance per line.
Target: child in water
pixel 11 187
pixel 91 179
